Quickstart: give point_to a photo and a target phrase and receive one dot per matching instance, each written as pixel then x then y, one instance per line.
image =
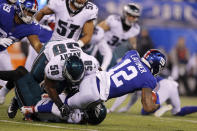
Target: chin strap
pixel 147 63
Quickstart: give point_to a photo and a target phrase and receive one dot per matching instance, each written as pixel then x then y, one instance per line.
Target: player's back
pixel 130 75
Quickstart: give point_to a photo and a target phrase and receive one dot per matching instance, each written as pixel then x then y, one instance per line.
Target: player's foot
pixel 109 111
pixel 162 110
pixel 13 107
pixel 123 109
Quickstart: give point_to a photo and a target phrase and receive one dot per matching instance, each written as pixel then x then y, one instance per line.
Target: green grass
pixel 114 121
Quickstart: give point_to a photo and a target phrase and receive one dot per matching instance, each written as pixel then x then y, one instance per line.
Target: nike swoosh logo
pixel 9 110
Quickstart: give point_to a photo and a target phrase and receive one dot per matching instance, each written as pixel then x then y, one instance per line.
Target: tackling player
pixel 57 62
pixel 131 74
pixel 73 17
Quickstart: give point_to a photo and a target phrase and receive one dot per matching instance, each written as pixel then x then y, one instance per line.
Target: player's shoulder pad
pixel 6 8
pixel 136 26
pixel 91 8
pixel 114 17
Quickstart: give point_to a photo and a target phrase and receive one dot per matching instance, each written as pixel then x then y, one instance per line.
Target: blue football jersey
pixel 8 28
pixel 3 1
pixel 129 75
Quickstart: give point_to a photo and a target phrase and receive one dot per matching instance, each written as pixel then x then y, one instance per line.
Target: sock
pixel 187 110
pixel 4 91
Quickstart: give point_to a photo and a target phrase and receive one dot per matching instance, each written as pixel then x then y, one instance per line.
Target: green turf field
pixel 131 121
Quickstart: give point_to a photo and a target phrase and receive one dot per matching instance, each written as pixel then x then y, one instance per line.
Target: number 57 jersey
pixel 129 75
pixel 67 24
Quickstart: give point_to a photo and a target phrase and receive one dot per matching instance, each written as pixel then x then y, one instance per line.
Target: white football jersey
pixel 70 25
pixel 58 51
pixel 116 34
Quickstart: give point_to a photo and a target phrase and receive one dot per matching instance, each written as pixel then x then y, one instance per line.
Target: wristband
pixel 80 42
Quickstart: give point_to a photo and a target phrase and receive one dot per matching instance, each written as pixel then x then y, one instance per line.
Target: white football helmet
pixel 131 9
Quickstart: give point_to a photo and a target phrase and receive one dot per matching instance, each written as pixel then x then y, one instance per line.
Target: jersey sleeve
pixel 53 70
pixel 94 12
pixel 150 82
pixel 136 30
pixel 110 20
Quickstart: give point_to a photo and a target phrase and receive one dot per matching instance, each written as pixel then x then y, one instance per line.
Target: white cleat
pixel 123 109
pixel 162 110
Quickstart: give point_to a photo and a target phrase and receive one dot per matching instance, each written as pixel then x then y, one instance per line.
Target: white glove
pixel 5 42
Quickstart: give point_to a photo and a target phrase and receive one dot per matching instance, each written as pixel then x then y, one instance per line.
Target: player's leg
pixel 5 64
pixel 186 110
pixel 88 93
pixel 168 90
pixel 32 54
pixel 117 103
pixel 133 100
pixel 38 67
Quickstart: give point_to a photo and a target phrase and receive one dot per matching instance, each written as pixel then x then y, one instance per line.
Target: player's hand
pixel 5 42
pixel 64 110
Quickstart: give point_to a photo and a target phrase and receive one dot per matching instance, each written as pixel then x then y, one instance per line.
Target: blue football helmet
pixel 155 60
pixel 73 70
pixel 24 6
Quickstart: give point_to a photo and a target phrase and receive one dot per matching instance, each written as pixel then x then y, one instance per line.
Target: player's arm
pixel 104 25
pixel 35 42
pixel 88 30
pixel 44 11
pixel 50 88
pixel 133 42
pixel 147 101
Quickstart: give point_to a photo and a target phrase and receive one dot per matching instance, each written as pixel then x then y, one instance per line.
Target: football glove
pixel 6 42
pixel 64 110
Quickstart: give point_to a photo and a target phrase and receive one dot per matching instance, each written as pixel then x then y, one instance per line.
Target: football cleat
pixel 163 110
pixel 12 109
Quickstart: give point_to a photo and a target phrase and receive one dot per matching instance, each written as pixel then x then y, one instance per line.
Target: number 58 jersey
pixel 67 24
pixel 129 75
pixel 57 52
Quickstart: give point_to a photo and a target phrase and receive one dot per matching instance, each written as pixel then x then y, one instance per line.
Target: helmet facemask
pixel 27 11
pixel 77 4
pixel 13 1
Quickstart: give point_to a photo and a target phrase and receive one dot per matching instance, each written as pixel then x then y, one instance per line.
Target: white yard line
pixel 46 125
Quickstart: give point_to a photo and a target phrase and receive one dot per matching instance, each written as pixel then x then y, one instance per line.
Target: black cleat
pixel 12 109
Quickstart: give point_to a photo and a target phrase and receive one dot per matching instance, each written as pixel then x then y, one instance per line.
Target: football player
pixel 46 110
pixel 51 64
pixel 131 74
pixel 72 16
pixel 16 23
pixel 119 29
